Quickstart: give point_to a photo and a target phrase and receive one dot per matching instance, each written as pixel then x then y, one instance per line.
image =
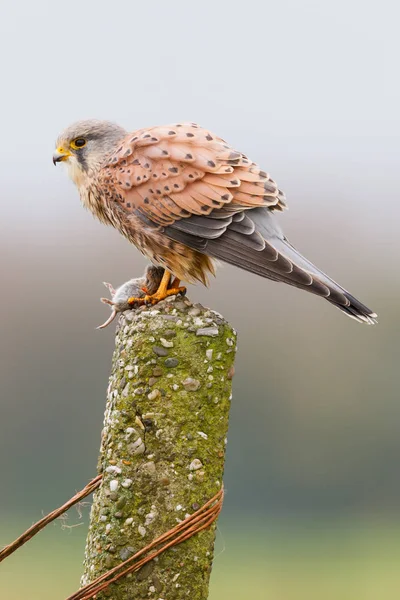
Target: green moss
pixel 165 439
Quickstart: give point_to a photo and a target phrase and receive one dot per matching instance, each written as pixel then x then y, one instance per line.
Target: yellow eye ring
pixel 78 143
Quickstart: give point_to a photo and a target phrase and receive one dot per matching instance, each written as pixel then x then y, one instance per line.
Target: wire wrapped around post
pixel 162 450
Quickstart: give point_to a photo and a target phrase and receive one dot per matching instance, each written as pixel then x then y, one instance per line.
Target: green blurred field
pixel 318 560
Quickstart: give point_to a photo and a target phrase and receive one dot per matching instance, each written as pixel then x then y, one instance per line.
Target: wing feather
pixel 171 172
pixel 194 188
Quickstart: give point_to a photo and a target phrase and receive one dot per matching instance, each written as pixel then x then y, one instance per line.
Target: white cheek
pixel 74 171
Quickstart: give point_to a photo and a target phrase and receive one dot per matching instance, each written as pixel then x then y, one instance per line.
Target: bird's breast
pixel 185 263
pixel 94 201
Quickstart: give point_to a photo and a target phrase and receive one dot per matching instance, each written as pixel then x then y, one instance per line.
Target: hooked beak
pixel 60 154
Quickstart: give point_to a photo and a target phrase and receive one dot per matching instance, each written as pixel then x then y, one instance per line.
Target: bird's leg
pixel 171 286
pixel 165 289
pixel 175 284
pixel 175 287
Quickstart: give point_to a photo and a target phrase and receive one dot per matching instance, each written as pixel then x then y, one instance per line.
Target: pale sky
pixel 310 90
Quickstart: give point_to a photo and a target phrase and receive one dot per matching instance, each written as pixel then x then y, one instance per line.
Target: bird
pixel 187 200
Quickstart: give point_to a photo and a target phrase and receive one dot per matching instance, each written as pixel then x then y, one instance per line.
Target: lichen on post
pixel 163 447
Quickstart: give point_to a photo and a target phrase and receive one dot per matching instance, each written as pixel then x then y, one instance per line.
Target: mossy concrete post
pixel 163 447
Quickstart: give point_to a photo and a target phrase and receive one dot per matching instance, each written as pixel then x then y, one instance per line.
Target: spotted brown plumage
pixel 167 174
pixel 185 197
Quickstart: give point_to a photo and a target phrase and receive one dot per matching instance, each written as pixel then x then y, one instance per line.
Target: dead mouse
pixel 134 288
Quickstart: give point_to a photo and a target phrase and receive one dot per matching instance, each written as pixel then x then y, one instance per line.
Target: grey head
pixel 85 145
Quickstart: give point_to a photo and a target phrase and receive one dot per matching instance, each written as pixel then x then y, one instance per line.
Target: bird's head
pixel 85 145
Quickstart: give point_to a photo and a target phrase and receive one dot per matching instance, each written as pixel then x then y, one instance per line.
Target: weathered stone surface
pixel 164 440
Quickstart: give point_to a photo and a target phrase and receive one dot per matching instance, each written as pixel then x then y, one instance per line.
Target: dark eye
pixel 79 142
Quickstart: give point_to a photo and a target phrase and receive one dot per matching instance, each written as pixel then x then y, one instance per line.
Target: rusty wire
pixel 199 520
pixel 36 527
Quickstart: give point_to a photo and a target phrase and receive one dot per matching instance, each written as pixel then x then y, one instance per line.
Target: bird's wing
pixel 199 191
pixel 166 174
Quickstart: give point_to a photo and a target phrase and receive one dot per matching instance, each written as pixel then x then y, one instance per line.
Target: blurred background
pixel 310 91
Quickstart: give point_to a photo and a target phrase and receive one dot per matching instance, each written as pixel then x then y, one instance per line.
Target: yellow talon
pixel 163 292
pixel 157 297
pixel 134 302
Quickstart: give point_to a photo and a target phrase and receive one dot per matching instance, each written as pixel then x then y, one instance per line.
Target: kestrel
pixel 184 197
